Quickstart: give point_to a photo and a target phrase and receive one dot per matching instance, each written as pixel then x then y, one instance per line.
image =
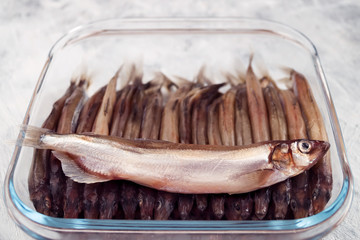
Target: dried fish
pixel 107 193
pixel 185 204
pixel 260 132
pixel 321 173
pixel 73 198
pixel 130 191
pixel 147 200
pixel 90 202
pixel 217 203
pixel 197 104
pixel 129 200
pixel 109 200
pixel 226 126
pixel 165 202
pixel 257 108
pixel 150 127
pixel 39 172
pixel 300 201
pixel 240 206
pixel 278 128
pixel 67 124
pixel 131 174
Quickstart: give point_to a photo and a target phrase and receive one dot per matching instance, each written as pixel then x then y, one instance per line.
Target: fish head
pixel 300 204
pixel 247 204
pixel 217 205
pixel 185 204
pixel 262 199
pixel 146 199
pixel 321 190
pixel 294 157
pixel 233 207
pixel 164 205
pixel 281 198
pixel 128 200
pixel 42 202
pixel 109 205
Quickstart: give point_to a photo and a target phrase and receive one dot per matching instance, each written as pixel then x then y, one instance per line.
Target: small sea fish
pixel 300 197
pixel 240 206
pixel 38 180
pixel 67 124
pixel 321 175
pixel 260 132
pixel 174 167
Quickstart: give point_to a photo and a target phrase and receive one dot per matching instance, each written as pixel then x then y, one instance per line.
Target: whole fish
pixel 38 180
pixel 108 196
pixel 300 197
pixel 321 174
pixel 130 191
pixel 260 132
pixel 165 202
pixel 73 197
pixel 174 167
pixel 165 205
pixel 240 206
pixel 67 124
pixel 150 128
pixel 278 129
pixel 109 200
pixel 226 125
pixel 199 99
pixel 86 121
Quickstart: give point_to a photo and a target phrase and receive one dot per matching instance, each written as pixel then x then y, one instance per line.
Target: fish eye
pixel 304 146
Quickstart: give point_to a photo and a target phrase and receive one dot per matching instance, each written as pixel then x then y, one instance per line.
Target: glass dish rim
pixel 343 200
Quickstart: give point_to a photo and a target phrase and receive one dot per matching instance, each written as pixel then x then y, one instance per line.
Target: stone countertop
pixel 30 27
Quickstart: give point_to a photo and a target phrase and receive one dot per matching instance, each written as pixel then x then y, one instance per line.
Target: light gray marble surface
pixel 28 28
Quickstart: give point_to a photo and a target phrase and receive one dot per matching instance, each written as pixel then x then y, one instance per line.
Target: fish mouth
pixel 322 145
pixel 322 148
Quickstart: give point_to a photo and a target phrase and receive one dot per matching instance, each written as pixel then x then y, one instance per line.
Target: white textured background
pixel 28 28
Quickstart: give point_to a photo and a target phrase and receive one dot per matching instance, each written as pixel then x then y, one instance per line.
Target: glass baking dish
pixel 177 47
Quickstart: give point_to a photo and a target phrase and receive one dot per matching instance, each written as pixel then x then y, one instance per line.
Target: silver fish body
pixel 174 167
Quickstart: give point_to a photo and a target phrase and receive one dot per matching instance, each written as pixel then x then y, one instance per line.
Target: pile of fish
pixel 186 150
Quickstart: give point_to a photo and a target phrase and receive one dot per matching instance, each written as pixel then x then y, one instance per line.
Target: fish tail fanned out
pixel 32 136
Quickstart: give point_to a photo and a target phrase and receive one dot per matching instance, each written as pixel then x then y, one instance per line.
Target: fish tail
pixel 32 136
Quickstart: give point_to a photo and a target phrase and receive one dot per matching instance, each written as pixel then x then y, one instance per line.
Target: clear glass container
pixel 177 47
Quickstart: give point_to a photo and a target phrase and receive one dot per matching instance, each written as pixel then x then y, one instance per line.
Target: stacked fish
pixel 252 118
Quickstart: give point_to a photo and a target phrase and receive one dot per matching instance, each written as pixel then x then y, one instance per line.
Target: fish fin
pixel 73 171
pixel 32 136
